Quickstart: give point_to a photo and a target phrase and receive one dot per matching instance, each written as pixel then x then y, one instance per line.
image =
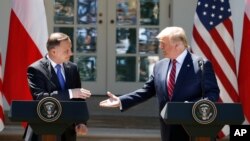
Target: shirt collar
pixel 181 57
pixel 52 62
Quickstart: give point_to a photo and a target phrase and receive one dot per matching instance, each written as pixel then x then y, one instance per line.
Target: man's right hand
pixel 80 93
pixel 112 101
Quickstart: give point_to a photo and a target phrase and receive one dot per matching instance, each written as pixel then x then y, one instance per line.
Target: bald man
pixel 176 78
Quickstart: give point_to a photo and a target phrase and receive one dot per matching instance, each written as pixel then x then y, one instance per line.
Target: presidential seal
pixel 204 111
pixel 49 109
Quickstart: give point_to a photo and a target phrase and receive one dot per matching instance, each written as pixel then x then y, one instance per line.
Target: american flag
pixel 213 38
pixel 1 96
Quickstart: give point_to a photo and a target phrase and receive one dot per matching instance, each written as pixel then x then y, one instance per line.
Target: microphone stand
pixel 201 65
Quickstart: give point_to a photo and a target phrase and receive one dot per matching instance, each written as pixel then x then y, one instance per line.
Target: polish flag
pixel 1 97
pixel 26 44
pixel 244 67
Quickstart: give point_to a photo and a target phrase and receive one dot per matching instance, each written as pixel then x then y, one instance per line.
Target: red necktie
pixel 171 80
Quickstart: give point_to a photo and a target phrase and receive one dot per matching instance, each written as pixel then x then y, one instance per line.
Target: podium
pixel 33 111
pixel 182 114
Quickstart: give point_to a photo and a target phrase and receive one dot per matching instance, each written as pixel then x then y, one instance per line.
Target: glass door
pixel 84 22
pixel 113 41
pixel 132 46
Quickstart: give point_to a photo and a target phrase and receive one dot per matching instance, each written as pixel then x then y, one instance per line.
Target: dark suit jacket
pixel 187 88
pixel 43 82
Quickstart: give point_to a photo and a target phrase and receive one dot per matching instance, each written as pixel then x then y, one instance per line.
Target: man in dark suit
pixel 55 76
pixel 176 78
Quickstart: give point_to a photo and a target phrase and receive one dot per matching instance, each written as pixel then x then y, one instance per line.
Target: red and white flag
pixel 1 97
pixel 244 65
pixel 213 38
pixel 26 44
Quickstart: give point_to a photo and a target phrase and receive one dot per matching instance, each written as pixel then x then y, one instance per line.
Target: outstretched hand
pixel 112 101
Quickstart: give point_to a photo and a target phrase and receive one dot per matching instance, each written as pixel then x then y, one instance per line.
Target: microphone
pixel 201 65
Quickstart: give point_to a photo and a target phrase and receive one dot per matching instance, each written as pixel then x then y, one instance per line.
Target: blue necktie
pixel 60 76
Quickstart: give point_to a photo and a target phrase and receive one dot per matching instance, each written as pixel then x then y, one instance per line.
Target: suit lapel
pixel 163 78
pixel 49 72
pixel 67 73
pixel 184 72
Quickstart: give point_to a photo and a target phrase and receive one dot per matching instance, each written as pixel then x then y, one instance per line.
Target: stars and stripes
pixel 213 38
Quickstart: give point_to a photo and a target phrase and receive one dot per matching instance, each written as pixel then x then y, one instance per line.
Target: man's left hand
pixel 81 129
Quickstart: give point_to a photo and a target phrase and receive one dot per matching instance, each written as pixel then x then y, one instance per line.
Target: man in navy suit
pixel 44 81
pixel 185 86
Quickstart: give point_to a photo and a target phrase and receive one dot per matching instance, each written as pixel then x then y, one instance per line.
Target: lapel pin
pixel 188 65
